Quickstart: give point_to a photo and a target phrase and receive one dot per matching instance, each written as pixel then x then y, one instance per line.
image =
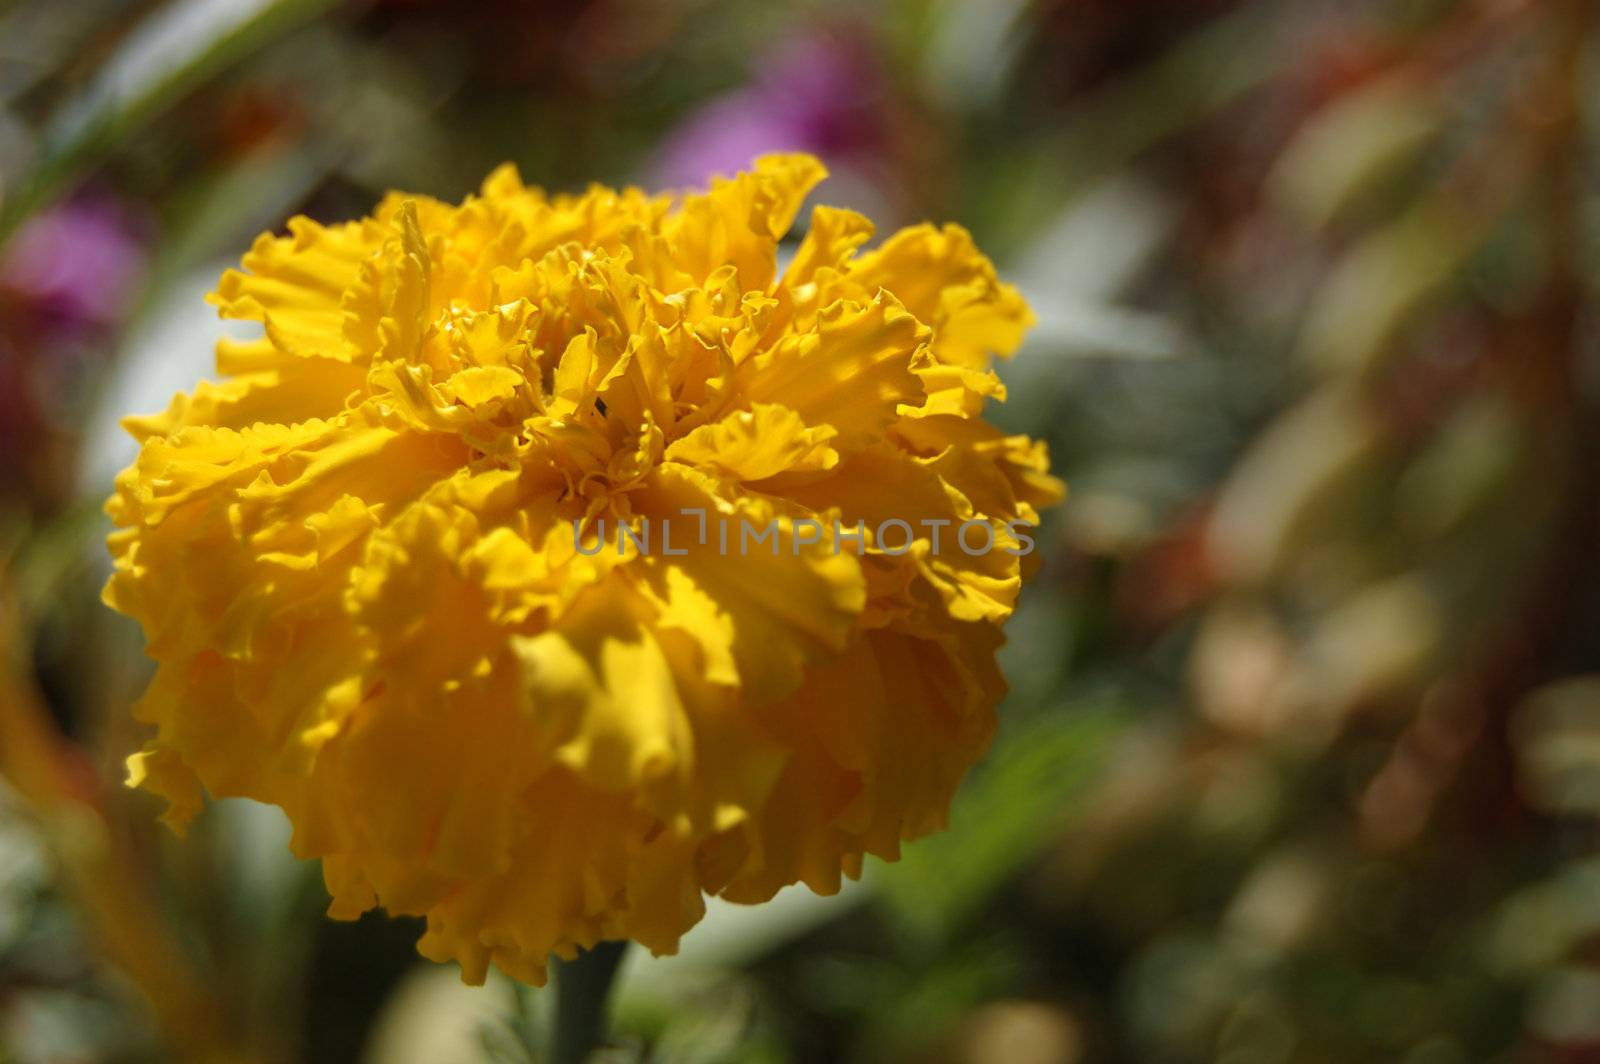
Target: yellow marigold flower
pixel 373 562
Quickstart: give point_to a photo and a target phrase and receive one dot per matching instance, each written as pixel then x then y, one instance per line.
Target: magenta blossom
pixel 815 93
pixel 79 263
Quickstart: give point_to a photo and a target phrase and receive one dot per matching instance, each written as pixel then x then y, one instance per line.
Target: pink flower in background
pixel 815 93
pixel 78 263
pixel 67 278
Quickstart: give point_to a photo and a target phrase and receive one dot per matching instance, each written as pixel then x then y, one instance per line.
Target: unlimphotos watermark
pixel 893 536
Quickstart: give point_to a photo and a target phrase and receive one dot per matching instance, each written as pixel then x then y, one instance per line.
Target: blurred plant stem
pixel 98 870
pixel 171 52
pixel 1550 386
pixel 582 986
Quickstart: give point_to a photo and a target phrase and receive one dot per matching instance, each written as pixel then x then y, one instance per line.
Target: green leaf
pixel 1018 800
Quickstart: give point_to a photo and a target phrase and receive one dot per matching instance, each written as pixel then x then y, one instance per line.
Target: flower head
pixel 369 565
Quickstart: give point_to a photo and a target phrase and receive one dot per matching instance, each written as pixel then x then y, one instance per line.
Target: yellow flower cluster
pixel 357 560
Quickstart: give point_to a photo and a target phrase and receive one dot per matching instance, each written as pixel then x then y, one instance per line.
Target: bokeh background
pixel 1302 757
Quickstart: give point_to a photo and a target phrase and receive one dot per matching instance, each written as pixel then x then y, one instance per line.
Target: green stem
pixel 581 987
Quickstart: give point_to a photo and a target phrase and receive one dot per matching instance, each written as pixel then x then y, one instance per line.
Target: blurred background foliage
pixel 1302 759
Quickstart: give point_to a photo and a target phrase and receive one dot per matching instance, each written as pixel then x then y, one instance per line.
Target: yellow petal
pixel 761 442
pixel 943 279
pixel 853 373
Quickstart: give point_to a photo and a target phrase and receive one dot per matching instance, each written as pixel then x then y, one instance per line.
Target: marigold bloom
pixel 355 562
